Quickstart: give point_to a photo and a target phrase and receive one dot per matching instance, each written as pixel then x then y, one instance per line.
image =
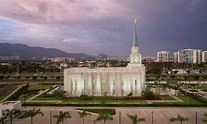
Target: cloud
pixel 105 26
pixel 53 11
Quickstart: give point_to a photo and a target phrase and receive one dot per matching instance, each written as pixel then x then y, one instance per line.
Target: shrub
pixel 58 77
pixel 34 77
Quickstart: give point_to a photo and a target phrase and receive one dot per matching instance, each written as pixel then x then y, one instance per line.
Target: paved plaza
pixel 160 115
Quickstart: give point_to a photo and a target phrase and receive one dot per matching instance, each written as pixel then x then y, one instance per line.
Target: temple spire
pixel 135 41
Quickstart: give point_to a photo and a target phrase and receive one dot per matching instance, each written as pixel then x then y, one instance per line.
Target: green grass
pixel 166 97
pixel 47 98
pixel 8 92
pixel 188 100
pixel 39 87
pixel 97 111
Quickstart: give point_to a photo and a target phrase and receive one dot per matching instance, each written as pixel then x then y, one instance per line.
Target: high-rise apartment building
pixel 204 56
pixel 163 56
pixel 175 57
pixel 189 56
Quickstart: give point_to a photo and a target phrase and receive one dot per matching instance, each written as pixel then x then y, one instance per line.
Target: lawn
pixel 166 97
pixel 12 88
pixel 97 111
pixel 39 87
pixel 189 100
pixel 186 101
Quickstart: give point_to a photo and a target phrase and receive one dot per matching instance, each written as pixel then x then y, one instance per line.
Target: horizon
pixel 94 27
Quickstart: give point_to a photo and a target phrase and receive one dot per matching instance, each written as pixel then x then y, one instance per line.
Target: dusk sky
pixel 105 26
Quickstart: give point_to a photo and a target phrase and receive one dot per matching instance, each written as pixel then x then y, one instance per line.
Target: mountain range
pixel 26 52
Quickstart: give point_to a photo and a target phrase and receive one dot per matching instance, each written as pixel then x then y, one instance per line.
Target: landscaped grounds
pixel 39 95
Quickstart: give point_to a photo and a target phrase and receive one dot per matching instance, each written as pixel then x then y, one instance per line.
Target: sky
pixel 105 26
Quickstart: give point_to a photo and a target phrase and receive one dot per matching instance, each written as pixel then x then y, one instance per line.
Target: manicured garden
pixel 6 90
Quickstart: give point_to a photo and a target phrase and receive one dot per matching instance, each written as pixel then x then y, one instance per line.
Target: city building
pixel 175 57
pixel 204 56
pixel 112 81
pixel 189 56
pixel 163 56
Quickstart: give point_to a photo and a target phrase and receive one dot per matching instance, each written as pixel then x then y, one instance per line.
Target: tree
pixel 31 113
pixel 179 118
pixel 60 117
pixel 134 118
pixel 158 78
pixel 45 78
pixel 58 77
pixel 10 113
pixel 34 77
pixel 2 120
pixel 196 78
pixel 205 119
pixel 104 117
pixel 83 114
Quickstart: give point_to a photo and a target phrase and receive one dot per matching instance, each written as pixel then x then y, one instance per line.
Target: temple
pixel 113 81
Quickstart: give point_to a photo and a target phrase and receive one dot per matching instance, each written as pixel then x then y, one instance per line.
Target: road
pixel 161 115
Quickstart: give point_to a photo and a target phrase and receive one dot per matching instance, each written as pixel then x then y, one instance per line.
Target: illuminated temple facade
pixel 112 81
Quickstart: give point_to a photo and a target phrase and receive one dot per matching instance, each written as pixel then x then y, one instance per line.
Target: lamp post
pixel 152 117
pixel 119 117
pixel 50 117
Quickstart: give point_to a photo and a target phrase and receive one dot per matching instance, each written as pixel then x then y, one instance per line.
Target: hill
pixel 27 52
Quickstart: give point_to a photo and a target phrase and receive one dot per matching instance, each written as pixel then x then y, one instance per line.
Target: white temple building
pixel 113 81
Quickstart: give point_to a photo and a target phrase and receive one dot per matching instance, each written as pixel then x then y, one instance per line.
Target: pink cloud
pixel 50 11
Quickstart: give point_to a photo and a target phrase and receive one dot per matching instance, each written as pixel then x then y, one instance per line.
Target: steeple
pixel 135 56
pixel 135 41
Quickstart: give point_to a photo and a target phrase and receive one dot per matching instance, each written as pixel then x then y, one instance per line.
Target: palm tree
pixel 134 118
pixel 83 114
pixel 31 113
pixel 196 78
pixel 104 117
pixel 179 118
pixel 205 119
pixel 11 113
pixel 2 120
pixel 158 78
pixel 60 117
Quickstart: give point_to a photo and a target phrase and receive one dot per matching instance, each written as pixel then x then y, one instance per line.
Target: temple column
pixel 66 81
pixel 128 84
pixel 98 85
pixel 125 85
pixel 108 86
pixel 111 85
pixel 90 90
pixel 69 86
pixel 119 84
pixel 82 84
